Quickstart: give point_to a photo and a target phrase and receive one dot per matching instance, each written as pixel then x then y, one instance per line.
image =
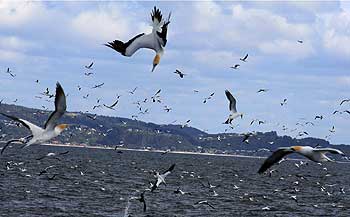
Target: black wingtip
pixel 172 167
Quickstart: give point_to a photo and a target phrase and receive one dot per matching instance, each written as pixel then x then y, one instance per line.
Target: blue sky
pixel 52 41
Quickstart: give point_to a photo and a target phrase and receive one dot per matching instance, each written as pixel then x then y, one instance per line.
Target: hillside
pixel 111 131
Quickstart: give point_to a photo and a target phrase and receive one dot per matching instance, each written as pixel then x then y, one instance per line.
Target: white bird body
pixel 232 106
pixel 161 178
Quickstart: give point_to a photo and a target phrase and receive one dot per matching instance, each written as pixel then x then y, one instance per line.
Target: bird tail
pixel 117 45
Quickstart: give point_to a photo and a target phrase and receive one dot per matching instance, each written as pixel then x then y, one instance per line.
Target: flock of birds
pixel 157 40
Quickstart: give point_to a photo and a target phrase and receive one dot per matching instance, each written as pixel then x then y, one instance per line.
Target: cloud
pixel 108 22
pixel 214 58
pixel 18 13
pixel 288 47
pixel 336 34
pixel 11 56
pixel 15 43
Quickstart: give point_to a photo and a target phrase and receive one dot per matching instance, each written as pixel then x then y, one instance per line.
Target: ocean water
pixel 98 182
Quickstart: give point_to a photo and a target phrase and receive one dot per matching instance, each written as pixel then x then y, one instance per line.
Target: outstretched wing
pixel 232 105
pixel 142 41
pixel 274 158
pixel 330 150
pixel 60 108
pixel 168 171
pixel 157 19
pixel 36 130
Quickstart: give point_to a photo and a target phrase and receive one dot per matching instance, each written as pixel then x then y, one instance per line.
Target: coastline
pixel 154 151
pixel 172 152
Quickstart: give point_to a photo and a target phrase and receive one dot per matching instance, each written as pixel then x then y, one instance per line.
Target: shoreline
pixel 172 152
pixel 153 151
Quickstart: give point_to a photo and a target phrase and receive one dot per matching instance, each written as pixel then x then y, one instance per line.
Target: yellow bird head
pixel 297 148
pixel 61 127
pixel 156 61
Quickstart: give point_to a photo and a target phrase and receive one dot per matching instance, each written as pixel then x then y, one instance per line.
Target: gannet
pixel 232 106
pixel 314 154
pixel 156 40
pixel 161 178
pixel 50 130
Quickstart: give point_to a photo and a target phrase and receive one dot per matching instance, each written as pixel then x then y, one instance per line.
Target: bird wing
pixel 168 171
pixel 157 19
pixel 232 105
pixel 36 130
pixel 114 104
pixel 60 108
pixel 330 150
pixel 140 41
pixel 274 158
pixel 144 206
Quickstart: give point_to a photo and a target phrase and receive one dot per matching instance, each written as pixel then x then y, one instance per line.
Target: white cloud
pixel 336 32
pixel 15 43
pixel 8 55
pixel 18 13
pixel 108 22
pixel 101 25
pixel 214 58
pixel 249 28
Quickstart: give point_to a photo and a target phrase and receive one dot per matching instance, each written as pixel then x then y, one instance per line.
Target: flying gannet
pixel 156 40
pixel 50 130
pixel 314 154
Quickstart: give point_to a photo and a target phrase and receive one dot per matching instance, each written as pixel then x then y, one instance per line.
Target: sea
pixel 106 182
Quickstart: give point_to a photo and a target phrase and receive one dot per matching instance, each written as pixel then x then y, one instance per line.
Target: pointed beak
pixel 154 66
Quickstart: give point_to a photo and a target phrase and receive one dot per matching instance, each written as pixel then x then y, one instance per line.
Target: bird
pixel 98 85
pixel 8 71
pixel 300 41
pixel 344 101
pixel 236 66
pixel 336 111
pixel 179 191
pixel 314 154
pixel 52 154
pixel 133 91
pixel 142 200
pixel 50 130
pixel 167 109
pixel 179 73
pixel 88 73
pixel 45 170
pixel 204 202
pixel 246 137
pixel 262 90
pixel 185 124
pixel 232 107
pixel 244 59
pixel 319 117
pixel 161 177
pixel 156 40
pixel 111 106
pixel 90 66
pixel 283 102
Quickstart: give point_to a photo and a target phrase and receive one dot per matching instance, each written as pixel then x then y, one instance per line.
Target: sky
pixel 53 41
